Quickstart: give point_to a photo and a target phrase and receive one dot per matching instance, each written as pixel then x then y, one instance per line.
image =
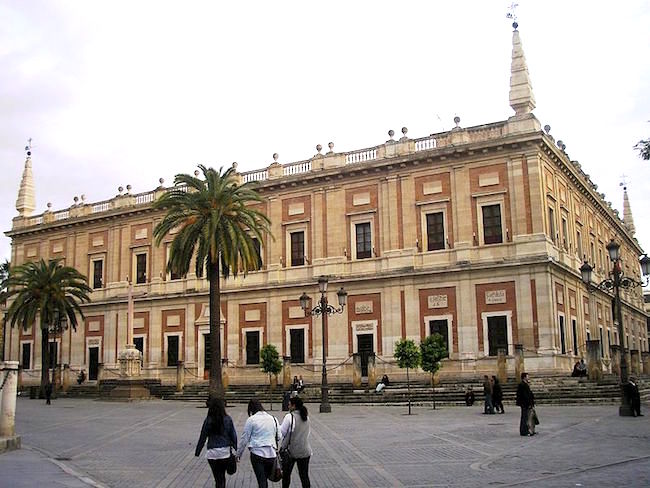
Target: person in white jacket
pixel 262 436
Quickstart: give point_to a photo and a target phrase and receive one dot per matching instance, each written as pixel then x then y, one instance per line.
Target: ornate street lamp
pixel 615 282
pixel 323 308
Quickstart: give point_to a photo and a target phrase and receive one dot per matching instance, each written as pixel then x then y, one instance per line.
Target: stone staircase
pixel 559 390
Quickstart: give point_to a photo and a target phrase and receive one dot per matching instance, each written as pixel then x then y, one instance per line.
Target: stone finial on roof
pixel 627 212
pixel 522 99
pixel 26 202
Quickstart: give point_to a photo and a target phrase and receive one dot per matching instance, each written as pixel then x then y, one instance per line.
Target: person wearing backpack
pixel 295 449
pixel 219 430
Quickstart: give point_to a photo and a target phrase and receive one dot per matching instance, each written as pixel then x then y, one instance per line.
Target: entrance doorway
pixel 297 345
pixel 207 356
pixel 365 348
pixel 138 342
pixel 93 363
pixel 253 347
pixel 497 334
pixel 440 327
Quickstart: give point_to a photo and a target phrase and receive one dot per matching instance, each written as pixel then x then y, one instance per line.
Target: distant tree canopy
pixel 643 147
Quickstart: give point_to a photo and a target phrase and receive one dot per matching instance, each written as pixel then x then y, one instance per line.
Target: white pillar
pixel 8 378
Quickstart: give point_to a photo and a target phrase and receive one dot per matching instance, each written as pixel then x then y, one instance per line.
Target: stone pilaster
pixel 356 371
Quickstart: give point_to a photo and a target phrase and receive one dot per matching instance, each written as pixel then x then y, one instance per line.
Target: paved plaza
pixel 78 443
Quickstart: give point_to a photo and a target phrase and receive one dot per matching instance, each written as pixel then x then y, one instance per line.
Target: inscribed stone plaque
pixel 98 241
pixel 94 341
pixel 141 233
pixel 138 322
pixel 296 313
pixel 431 187
pixel 93 325
pixel 173 320
pixel 437 301
pixel 361 199
pixel 362 307
pixel 488 179
pixel 252 315
pixel 297 208
pixel 364 326
pixel 495 296
pixel 58 247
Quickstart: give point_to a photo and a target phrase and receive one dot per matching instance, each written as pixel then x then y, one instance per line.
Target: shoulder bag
pixel 276 471
pixel 285 454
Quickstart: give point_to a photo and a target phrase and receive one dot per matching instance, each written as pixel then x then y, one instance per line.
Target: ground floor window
pixel 497 334
pixel 253 347
pixel 297 345
pixel 172 350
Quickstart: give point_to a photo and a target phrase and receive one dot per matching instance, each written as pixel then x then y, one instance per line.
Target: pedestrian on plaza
pixel 295 431
pixel 262 435
pixel 631 391
pixel 219 430
pixel 497 395
pixel 488 407
pixel 301 384
pixel 48 393
pixel 526 401
pixel 469 396
pixel 294 384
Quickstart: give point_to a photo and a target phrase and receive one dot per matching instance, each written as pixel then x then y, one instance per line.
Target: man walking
pixel 526 400
pixel 631 391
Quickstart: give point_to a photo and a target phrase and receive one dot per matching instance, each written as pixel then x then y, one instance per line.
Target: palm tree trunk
pixel 45 360
pixel 216 385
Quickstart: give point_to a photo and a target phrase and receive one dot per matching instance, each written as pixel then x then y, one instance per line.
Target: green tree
pixel 271 365
pixel 408 356
pixel 643 147
pixel 51 292
pixel 433 350
pixel 218 229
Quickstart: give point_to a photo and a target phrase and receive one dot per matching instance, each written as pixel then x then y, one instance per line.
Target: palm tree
pixel 216 228
pixel 50 291
pixel 4 275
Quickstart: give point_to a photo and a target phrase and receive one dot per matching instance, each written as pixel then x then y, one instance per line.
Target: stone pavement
pixel 80 442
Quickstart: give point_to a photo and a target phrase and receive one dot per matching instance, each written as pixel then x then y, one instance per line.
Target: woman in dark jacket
pixel 497 395
pixel 220 433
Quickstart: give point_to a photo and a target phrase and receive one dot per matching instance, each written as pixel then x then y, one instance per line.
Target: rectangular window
pixel 602 345
pixel 141 268
pixel 253 347
pixel 297 248
pixel 26 356
pixel 579 244
pixel 562 335
pixel 440 327
pixel 98 274
pixel 435 231
pixel 173 275
pixel 258 253
pixel 551 223
pixel 574 331
pixel 492 232
pixel 138 342
pixel 565 234
pixel 592 254
pixel 172 350
pixel 364 240
pixel 297 345
pixel 497 334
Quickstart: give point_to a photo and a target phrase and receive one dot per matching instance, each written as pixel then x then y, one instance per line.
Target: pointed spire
pixel 522 99
pixel 26 202
pixel 627 213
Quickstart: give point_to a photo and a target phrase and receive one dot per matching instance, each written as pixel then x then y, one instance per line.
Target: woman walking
pixel 295 441
pixel 219 431
pixel 262 435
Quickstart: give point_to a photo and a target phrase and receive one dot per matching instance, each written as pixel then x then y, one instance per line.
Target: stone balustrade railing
pixel 319 162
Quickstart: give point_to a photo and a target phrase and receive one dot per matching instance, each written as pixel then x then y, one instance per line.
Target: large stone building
pixel 476 233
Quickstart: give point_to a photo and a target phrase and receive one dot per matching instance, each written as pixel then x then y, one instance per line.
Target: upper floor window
pixel 364 240
pixel 565 234
pixel 297 248
pixel 579 244
pixel 141 268
pixel 492 231
pixel 551 223
pixel 258 252
pixel 98 273
pixel 435 231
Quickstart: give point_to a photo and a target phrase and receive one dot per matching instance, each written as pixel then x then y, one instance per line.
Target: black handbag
pixel 231 467
pixel 276 471
pixel 285 454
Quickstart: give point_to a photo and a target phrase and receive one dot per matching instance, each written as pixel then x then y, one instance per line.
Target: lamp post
pixel 615 282
pixel 323 309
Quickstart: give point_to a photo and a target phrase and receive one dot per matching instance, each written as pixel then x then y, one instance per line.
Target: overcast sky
pixel 116 93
